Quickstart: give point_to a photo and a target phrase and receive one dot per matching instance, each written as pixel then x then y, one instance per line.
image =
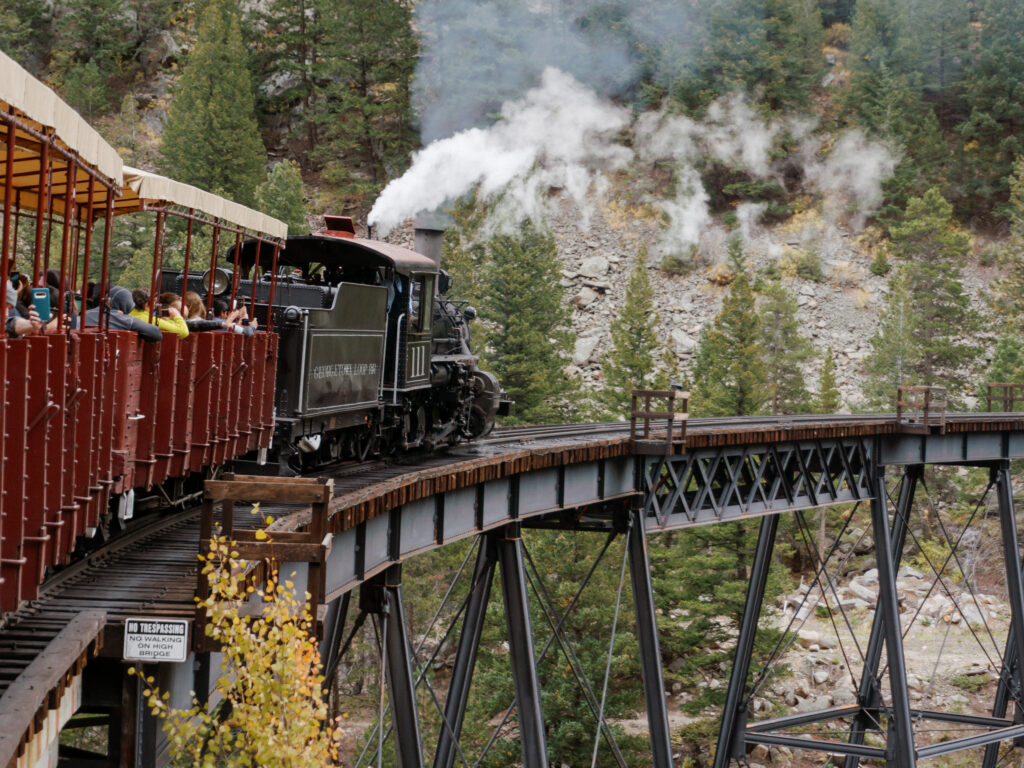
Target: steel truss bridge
pixel 349 538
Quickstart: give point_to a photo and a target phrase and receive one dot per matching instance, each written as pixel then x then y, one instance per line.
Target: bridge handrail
pixel 52 670
pixel 1012 394
pixel 922 413
pixel 676 416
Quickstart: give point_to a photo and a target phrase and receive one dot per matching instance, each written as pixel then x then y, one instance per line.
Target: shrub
pixel 880 263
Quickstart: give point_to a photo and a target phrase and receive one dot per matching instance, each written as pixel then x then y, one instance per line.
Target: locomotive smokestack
pixel 430 227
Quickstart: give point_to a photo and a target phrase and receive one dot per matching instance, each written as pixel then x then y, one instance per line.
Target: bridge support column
pixel 869 696
pixel 730 737
pixel 521 651
pixel 383 596
pixel 334 630
pixel 465 656
pixel 900 752
pixel 1011 684
pixel 647 640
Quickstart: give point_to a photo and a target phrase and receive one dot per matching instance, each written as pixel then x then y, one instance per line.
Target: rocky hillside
pixel 824 264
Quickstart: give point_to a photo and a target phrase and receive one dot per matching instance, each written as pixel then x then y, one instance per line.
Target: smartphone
pixel 41 302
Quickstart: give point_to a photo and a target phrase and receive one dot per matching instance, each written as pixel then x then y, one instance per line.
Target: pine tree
pixel 993 134
pixel 935 249
pixel 1007 302
pixel 783 350
pixel 281 197
pixel 289 38
pixel 365 115
pixel 769 48
pixel 828 398
pixel 704 574
pixel 728 373
pixel 211 140
pixel 1007 364
pixel 631 363
pixel 526 315
pixel 24 33
pixel 895 348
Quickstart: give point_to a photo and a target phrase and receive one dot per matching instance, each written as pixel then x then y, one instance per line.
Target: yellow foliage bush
pixel 273 713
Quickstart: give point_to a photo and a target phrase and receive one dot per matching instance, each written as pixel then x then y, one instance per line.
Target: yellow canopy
pixel 41 111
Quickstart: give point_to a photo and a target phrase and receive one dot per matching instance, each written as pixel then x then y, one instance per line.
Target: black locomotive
pixel 374 356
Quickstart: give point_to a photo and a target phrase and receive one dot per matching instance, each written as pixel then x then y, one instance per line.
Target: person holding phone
pixel 14 324
pixel 166 316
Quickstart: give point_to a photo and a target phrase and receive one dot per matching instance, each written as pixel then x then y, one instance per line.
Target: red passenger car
pixel 91 413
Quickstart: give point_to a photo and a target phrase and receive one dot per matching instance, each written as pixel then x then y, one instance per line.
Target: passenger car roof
pixel 341 251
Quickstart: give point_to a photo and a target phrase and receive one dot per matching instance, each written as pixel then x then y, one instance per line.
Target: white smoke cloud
pixel 687 212
pixel 850 177
pixel 560 134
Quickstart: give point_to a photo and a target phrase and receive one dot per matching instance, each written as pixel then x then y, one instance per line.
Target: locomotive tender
pixel 374 355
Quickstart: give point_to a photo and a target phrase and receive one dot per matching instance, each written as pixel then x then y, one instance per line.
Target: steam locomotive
pixel 374 354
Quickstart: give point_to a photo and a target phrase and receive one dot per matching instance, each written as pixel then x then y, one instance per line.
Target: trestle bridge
pixel 347 537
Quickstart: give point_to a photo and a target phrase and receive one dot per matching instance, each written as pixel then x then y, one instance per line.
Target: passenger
pixel 53 283
pixel 120 305
pixel 24 295
pixel 236 320
pixel 14 324
pixel 195 315
pixel 166 317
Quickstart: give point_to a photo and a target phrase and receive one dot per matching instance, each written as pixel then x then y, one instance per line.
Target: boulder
pixel 682 342
pixel 907 572
pixel 585 348
pixel 869 577
pixel 585 297
pixel 864 593
pixel 594 266
pixel 972 615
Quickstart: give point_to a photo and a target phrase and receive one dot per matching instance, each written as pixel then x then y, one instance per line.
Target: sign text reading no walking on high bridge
pixel 155 639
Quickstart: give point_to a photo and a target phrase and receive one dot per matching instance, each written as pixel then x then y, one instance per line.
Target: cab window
pixel 421 300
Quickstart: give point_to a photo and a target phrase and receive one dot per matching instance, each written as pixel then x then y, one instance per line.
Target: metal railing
pixel 649 438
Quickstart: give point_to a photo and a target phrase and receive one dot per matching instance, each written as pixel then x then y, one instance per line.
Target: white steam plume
pixel 850 177
pixel 560 134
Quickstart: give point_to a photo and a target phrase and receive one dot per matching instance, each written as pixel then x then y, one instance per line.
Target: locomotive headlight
pixel 469 312
pixel 221 281
pixel 292 314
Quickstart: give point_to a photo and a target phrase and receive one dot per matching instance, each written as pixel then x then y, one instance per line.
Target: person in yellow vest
pixel 167 314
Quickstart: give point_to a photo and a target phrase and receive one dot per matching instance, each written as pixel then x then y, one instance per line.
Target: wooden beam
pixel 31 691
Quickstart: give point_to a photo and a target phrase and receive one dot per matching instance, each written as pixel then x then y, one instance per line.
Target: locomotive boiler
pixel 374 354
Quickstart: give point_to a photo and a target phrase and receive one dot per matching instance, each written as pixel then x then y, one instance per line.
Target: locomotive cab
pixel 358 371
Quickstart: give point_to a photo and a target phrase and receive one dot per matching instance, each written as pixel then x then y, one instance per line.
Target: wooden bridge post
pixel 731 744
pixel 521 650
pixel 900 743
pixel 647 640
pixel 869 695
pixel 465 656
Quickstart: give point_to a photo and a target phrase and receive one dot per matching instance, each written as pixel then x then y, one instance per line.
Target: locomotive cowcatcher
pixel 374 355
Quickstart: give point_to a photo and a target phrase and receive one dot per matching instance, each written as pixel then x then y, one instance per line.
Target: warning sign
pixel 155 639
